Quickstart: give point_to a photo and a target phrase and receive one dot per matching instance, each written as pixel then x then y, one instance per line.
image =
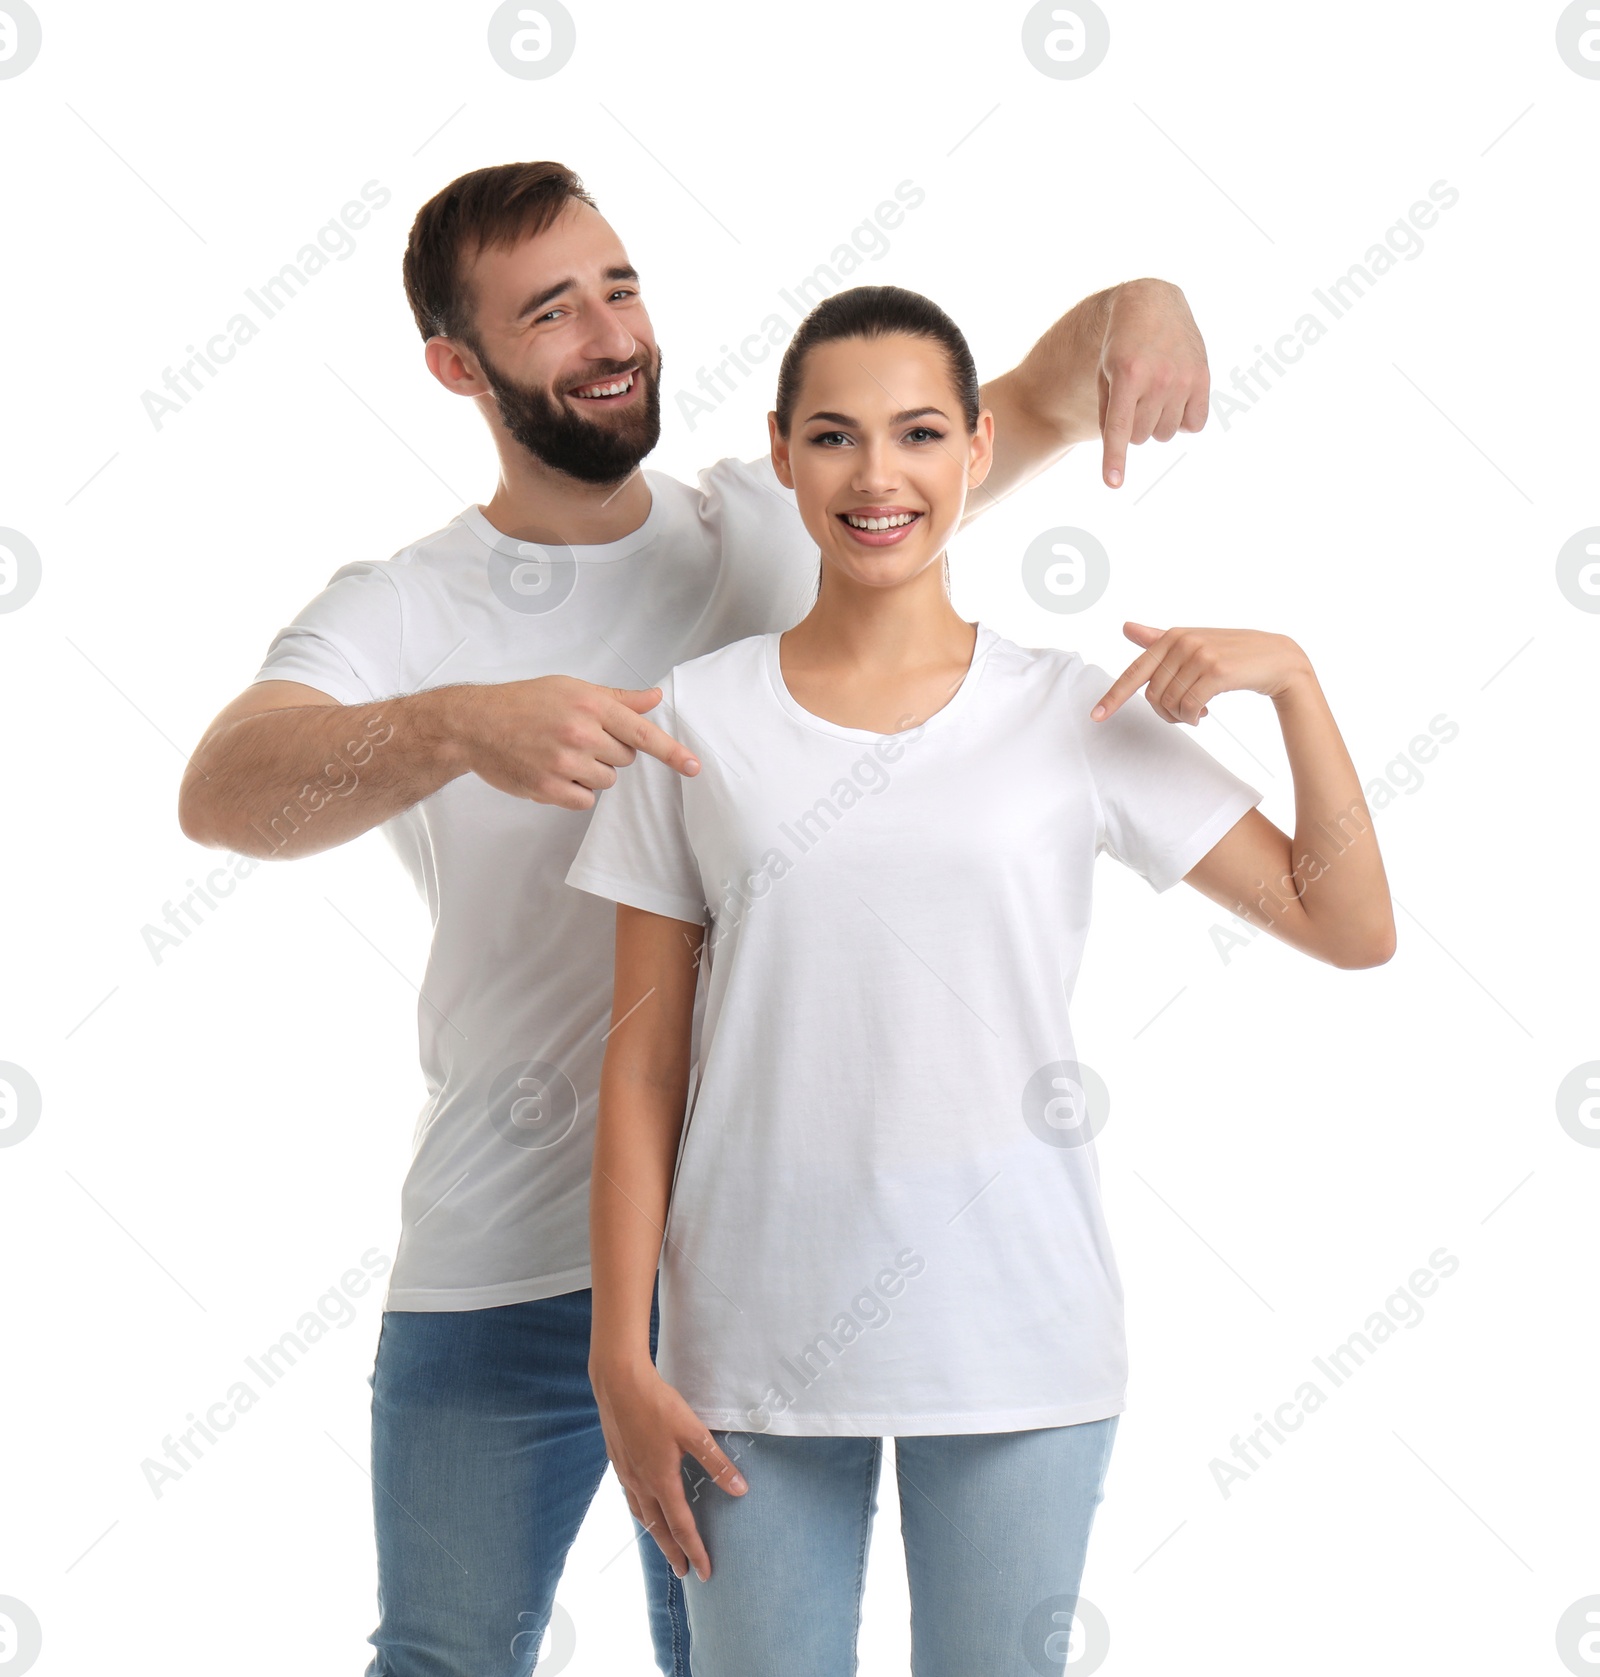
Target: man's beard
pixel 567 442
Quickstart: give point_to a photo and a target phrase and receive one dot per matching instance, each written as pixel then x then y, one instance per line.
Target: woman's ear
pixel 980 449
pixel 780 452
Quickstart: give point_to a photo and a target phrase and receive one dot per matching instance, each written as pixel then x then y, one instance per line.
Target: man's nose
pixel 606 338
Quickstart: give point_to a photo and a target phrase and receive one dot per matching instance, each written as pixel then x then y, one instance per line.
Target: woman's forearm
pixel 643 1088
pixel 635 1146
pixel 1336 867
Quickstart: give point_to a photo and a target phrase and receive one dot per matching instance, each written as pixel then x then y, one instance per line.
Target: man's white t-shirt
pixel 517 994
pixel 886 1216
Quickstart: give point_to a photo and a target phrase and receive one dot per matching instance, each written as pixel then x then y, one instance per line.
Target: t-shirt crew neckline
pixel 986 638
pixel 587 553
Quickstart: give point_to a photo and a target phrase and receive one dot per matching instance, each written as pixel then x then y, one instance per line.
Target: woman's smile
pixel 879 526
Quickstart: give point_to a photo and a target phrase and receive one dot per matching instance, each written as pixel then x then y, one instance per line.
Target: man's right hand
pixel 286 770
pixel 558 740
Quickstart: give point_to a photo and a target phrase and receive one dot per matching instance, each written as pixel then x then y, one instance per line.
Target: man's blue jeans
pixel 486 1453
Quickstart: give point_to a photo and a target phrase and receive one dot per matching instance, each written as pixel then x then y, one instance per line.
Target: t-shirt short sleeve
pixel 346 642
pixel 769 557
pixel 755 475
pixel 1164 799
pixel 637 848
pixel 744 496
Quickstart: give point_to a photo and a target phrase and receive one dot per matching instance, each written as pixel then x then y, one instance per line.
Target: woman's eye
pixel 923 433
pixel 830 437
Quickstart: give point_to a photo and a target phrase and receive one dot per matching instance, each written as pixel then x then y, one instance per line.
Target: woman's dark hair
pixel 876 311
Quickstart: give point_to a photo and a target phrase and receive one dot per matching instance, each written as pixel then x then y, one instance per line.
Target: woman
pixel 884 1213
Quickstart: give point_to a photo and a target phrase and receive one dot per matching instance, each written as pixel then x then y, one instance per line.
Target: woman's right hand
pixel 649 1429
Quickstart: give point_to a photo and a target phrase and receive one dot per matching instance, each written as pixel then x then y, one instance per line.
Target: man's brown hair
pixel 488 207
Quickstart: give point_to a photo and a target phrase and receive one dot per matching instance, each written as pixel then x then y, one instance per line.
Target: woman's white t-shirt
pixel 886 1214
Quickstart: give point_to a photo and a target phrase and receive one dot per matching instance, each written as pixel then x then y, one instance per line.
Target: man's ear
pixel 455 367
pixel 980 449
pixel 780 452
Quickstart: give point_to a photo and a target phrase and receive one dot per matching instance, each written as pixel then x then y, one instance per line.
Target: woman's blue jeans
pixel 996 1526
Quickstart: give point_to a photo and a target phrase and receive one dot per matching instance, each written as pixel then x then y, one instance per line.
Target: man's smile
pixel 613 391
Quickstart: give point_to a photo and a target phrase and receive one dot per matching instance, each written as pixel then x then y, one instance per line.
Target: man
pixel 471 695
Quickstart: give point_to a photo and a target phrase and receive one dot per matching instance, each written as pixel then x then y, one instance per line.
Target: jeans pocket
pixel 372 1379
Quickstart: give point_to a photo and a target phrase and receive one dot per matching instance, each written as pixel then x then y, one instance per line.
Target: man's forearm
pixel 294 781
pixel 1056 385
pixel 1125 365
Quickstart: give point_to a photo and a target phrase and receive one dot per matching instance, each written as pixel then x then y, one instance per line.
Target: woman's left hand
pixel 1186 668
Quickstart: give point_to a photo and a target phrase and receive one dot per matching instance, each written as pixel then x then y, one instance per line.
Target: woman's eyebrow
pixel 895 419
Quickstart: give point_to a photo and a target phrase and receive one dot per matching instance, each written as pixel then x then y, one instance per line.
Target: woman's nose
pixel 875 473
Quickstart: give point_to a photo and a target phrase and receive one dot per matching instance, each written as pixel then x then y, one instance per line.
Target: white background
pixel 224 1133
